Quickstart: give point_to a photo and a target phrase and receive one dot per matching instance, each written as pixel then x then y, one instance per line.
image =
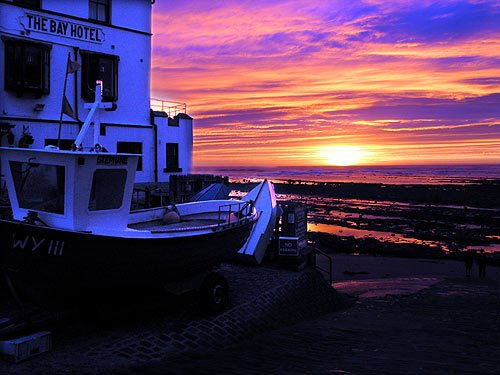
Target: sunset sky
pixel 335 82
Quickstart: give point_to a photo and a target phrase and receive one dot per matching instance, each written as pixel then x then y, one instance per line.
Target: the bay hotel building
pixel 111 40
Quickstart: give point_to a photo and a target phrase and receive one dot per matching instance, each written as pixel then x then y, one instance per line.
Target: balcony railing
pixel 169 107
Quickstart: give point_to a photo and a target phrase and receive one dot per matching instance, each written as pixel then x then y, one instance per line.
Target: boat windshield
pixel 39 186
pixel 108 188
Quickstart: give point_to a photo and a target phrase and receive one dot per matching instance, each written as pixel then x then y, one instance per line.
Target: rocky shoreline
pixel 404 220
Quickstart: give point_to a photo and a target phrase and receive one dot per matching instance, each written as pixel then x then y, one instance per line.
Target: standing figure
pixel 481 262
pixel 468 260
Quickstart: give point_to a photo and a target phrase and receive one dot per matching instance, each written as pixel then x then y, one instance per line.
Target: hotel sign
pixel 53 26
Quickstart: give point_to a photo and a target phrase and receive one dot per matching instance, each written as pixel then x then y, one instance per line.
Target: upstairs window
pixel 99 10
pixel 34 4
pixel 172 158
pixel 99 67
pixel 27 67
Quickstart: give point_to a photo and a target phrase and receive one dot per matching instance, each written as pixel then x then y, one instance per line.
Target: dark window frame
pixel 90 72
pixel 103 4
pixel 172 158
pixel 17 66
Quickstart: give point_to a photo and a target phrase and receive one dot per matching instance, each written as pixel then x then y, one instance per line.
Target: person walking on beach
pixel 481 262
pixel 468 260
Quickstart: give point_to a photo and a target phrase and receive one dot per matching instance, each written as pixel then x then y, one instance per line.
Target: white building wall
pixel 76 8
pixel 128 37
pixel 116 134
pixel 186 145
pixel 134 50
pixel 124 13
pixel 183 135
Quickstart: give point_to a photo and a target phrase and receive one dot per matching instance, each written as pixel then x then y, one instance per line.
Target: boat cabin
pixel 71 190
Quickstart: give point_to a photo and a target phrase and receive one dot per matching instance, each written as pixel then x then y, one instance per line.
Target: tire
pixel 214 293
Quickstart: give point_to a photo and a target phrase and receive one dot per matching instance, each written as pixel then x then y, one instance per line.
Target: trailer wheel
pixel 214 293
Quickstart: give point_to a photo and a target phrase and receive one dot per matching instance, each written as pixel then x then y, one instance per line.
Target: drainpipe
pixel 155 141
pixel 75 51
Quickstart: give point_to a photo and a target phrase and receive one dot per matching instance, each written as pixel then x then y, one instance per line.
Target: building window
pixel 131 148
pixel 35 4
pixel 99 67
pixel 172 158
pixel 99 10
pixel 27 67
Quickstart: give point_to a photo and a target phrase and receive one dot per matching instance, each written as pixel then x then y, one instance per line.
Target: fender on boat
pixel 264 200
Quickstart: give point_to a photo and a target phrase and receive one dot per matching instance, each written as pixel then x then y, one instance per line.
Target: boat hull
pixel 265 202
pixel 37 255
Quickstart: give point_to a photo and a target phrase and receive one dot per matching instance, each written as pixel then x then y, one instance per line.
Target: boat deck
pixel 158 226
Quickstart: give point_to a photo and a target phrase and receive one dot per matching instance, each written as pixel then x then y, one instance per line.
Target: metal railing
pixel 329 271
pixel 171 108
pixel 142 198
pixel 243 210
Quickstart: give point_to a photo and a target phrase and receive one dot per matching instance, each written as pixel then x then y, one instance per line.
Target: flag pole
pixel 62 103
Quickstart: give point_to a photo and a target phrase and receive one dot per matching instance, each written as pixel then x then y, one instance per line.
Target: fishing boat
pixel 72 225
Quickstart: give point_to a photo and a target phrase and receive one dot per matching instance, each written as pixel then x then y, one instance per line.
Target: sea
pixel 410 174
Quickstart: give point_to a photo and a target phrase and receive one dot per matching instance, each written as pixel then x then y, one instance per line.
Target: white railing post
pixel 97 118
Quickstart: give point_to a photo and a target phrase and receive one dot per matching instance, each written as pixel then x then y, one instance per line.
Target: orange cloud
pixel 412 82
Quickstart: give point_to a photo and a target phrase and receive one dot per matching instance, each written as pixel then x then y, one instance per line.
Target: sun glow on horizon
pixel 343 156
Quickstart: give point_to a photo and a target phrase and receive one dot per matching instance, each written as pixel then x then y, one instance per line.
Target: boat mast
pixel 93 114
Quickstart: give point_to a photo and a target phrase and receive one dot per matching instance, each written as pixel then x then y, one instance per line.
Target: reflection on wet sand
pixel 378 288
pixel 361 233
pixel 439 219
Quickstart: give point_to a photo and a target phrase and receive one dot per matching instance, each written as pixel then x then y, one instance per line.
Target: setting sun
pixel 343 156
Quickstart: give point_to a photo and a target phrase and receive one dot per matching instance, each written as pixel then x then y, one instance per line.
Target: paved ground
pixel 447 325
pixel 109 337
pixel 410 316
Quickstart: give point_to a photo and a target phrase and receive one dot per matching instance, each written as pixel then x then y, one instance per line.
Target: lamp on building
pixel 39 107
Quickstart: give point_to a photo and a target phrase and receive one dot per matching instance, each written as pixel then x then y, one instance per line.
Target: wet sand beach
pixel 432 220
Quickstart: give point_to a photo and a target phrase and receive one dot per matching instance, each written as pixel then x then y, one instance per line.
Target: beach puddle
pixel 377 288
pixel 341 231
